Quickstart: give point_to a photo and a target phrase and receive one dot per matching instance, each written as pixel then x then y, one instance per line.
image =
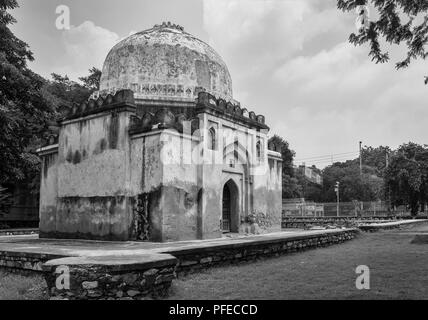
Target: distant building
pixel 311 173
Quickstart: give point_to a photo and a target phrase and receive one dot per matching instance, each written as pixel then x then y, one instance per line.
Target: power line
pixel 327 156
pixel 331 158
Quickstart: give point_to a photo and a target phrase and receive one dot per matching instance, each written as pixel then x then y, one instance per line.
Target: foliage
pixel 30 106
pixel 407 176
pixel 367 187
pixel 375 158
pixel 399 21
pixel 92 81
pixel 67 93
pixel 24 109
pixel 5 200
pixel 283 147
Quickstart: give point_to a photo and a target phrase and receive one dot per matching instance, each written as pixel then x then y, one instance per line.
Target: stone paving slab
pixel 31 244
pixel 116 263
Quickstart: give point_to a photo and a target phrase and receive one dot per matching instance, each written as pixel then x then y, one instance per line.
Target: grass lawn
pixel 398 270
pixel 18 287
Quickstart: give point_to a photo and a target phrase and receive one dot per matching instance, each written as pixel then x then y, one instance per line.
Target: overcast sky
pixel 289 60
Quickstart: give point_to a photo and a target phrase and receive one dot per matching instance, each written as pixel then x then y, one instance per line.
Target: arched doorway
pixel 230 214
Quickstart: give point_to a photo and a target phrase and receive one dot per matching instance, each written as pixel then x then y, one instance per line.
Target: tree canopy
pixel 29 104
pixel 397 22
pixel 407 176
pixel 24 110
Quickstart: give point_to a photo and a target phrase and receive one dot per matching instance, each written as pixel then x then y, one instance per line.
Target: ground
pixel 18 287
pixel 398 270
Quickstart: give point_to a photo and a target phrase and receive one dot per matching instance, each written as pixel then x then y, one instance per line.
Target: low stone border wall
pixel 348 222
pixel 30 262
pixel 195 259
pixel 373 227
pixel 18 232
pixel 110 278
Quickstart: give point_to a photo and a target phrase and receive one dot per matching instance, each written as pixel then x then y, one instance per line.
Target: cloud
pixel 259 33
pixel 85 46
pixel 291 61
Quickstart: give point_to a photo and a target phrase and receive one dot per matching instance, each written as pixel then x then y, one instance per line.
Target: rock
pixel 317 228
pixel 119 294
pixel 94 294
pixel 164 278
pixel 116 278
pixel 133 293
pixel 130 278
pixel 206 260
pixel 89 285
pixel 151 273
pixel 188 263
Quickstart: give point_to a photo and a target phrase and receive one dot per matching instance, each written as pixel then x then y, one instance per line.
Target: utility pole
pixel 388 190
pixel 338 198
pixel 361 161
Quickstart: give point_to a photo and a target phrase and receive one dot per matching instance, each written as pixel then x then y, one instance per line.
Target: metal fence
pixel 344 209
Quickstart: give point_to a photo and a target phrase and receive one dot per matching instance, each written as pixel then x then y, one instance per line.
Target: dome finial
pixel 169 25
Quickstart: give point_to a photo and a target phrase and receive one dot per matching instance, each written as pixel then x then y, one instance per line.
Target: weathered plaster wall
pixel 162 169
pixel 93 196
pixel 235 159
pixel 268 192
pixel 49 190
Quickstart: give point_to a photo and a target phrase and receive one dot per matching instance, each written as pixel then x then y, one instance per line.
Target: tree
pixel 30 106
pixel 369 187
pixel 407 176
pixel 290 184
pixel 92 81
pixel 276 143
pixel 24 109
pixel 67 93
pixel 399 21
pixel 375 158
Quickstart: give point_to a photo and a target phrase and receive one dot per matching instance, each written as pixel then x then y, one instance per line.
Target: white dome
pixel 165 62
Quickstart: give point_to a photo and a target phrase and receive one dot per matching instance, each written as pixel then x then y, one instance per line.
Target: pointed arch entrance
pixel 230 213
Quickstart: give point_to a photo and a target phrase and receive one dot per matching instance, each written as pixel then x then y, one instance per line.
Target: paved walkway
pixel 32 244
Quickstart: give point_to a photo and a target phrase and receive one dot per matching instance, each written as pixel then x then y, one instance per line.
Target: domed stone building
pixel 162 152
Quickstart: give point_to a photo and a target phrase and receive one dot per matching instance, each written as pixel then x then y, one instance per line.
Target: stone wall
pixel 21 261
pixel 203 258
pixel 111 278
pixel 289 222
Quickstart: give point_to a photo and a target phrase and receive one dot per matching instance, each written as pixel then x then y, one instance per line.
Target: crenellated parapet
pixel 206 100
pixel 122 98
pixel 168 25
pixel 163 119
